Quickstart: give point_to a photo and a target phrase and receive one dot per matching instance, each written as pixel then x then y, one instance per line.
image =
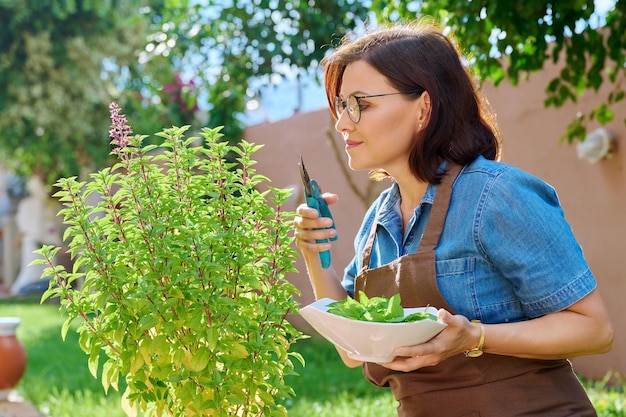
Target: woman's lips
pixel 351 144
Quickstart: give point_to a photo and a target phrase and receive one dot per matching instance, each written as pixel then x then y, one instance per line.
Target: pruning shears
pixel 314 200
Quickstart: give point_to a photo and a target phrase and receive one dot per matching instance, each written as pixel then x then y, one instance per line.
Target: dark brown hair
pixel 418 56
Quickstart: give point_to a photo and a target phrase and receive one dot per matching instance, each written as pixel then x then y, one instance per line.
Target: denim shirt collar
pixel 389 215
pixel 391 202
pixel 390 206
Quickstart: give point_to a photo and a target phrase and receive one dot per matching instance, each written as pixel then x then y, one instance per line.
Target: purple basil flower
pixel 120 130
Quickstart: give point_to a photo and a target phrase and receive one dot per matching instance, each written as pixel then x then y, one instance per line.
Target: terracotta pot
pixel 12 356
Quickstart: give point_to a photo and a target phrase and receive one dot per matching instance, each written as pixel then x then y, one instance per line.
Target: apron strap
pixel 437 218
pixel 367 251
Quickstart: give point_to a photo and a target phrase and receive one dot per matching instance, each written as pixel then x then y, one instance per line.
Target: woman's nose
pixel 343 122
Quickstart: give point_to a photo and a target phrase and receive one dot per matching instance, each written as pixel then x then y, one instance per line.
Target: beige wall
pixel 593 195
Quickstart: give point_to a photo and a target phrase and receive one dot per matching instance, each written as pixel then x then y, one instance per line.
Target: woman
pixel 483 241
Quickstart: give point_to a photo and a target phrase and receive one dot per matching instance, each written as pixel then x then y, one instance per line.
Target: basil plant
pixel 181 252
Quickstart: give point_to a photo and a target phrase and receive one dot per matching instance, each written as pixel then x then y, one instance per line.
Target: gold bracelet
pixel 477 351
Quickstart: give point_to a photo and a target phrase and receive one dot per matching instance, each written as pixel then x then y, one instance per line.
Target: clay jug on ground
pixel 12 356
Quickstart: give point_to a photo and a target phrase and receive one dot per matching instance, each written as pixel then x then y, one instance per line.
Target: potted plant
pixel 12 370
pixel 183 259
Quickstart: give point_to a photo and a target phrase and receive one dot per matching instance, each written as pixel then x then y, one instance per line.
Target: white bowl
pixel 369 341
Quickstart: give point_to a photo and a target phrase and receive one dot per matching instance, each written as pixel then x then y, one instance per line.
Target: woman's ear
pixel 424 109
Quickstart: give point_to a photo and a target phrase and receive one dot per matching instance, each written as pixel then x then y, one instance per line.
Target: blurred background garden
pixel 244 65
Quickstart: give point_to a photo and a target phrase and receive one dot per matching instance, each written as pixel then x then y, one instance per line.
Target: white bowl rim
pixel 318 311
pixel 322 305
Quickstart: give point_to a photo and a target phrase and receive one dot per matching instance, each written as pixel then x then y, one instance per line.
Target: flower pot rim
pixel 8 325
pixel 9 320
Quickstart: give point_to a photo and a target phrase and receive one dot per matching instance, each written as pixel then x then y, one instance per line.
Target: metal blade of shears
pixel 306 180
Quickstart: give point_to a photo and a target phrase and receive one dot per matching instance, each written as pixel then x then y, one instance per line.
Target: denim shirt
pixel 506 252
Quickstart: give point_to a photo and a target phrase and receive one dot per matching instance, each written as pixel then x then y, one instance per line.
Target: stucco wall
pixel 593 195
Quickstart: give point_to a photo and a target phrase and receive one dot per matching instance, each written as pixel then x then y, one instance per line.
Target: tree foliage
pixel 232 47
pixel 59 67
pixel 514 38
pixel 63 61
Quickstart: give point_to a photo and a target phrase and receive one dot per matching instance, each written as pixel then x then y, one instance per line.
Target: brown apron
pixel 487 386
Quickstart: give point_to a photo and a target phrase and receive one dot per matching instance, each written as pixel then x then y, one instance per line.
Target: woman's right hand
pixel 309 227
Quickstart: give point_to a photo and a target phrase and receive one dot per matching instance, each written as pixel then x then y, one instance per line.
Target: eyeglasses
pixel 353 104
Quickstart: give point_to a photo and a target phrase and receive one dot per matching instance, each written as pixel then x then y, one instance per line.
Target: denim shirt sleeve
pixel 521 231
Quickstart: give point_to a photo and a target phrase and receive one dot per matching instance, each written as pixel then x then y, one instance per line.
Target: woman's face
pixel 388 125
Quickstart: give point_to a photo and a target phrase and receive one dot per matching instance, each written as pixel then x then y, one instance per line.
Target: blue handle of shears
pixel 317 202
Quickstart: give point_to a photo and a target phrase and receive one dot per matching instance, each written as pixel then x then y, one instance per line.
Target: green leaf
pixel 199 360
pixel 110 376
pixel 65 327
pixel 375 309
pixel 94 359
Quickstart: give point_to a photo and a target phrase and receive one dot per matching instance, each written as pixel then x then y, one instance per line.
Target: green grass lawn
pixel 58 382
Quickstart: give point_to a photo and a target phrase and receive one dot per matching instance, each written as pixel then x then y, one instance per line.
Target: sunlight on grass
pixel 326 387
pixel 57 379
pixel 344 405
pixel 78 403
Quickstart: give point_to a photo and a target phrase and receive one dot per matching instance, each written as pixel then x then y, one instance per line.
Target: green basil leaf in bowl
pixel 376 309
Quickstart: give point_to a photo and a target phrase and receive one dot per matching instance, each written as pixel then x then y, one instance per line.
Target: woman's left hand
pixel 459 336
